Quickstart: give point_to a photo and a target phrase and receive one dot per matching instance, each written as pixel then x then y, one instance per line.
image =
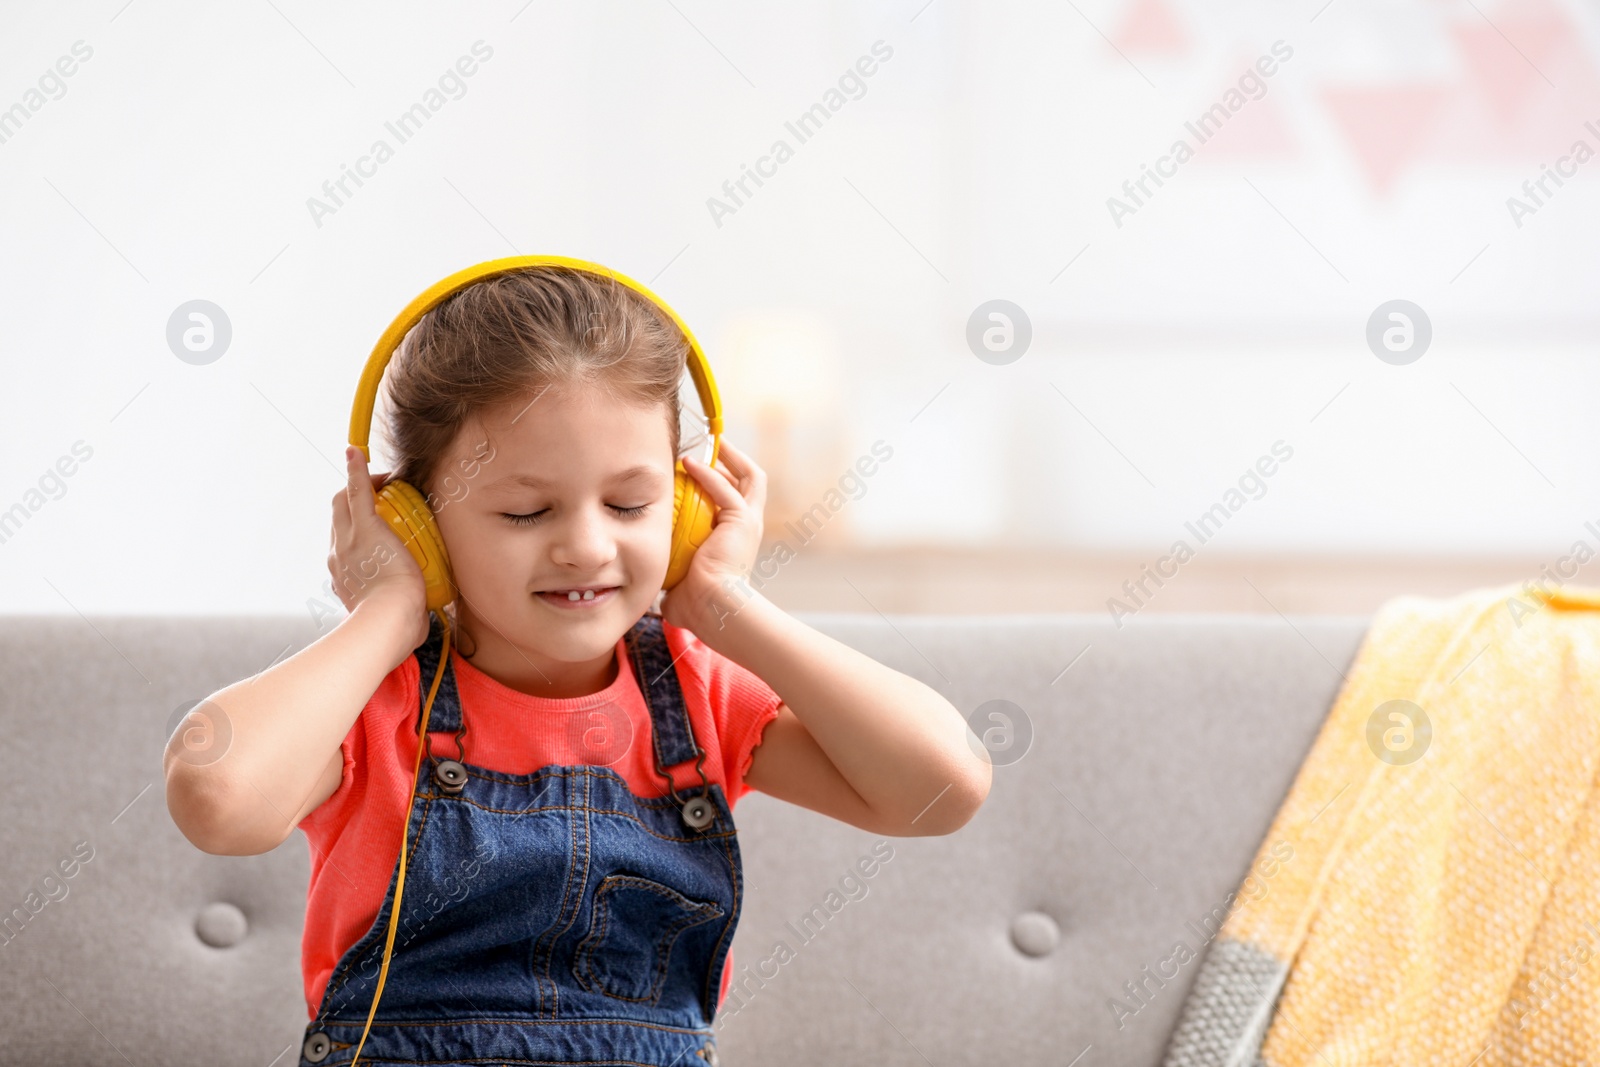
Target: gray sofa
pixel 1138 778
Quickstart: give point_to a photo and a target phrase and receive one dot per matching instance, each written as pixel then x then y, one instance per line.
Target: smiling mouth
pixel 576 598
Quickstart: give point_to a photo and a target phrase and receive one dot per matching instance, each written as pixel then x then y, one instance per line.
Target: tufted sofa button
pixel 317 1047
pixel 1035 933
pixel 221 925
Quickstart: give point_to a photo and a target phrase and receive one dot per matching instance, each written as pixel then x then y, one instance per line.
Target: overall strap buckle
pixel 673 733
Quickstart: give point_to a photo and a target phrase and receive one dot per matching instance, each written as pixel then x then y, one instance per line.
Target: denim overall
pixel 547 918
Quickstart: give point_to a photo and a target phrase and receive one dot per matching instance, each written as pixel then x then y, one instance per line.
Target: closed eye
pixel 534 517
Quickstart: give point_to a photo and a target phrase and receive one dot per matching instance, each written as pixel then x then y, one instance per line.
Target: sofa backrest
pixel 1137 770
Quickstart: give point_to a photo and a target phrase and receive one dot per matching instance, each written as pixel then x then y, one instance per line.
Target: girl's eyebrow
pixel 533 481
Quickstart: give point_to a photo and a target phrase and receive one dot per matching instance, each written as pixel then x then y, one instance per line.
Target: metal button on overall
pixel 699 813
pixel 451 776
pixel 317 1047
pixel 551 917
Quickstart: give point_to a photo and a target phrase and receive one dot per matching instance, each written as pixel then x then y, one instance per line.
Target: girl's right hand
pixel 367 560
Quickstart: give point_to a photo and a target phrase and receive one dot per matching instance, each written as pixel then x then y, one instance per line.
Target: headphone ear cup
pixel 692 514
pixel 404 509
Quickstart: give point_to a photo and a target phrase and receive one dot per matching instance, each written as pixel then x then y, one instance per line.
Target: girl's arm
pixel 856 740
pixel 250 761
pixel 859 741
pixel 253 759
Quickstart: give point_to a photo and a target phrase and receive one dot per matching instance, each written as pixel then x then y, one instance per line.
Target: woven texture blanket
pixel 1429 891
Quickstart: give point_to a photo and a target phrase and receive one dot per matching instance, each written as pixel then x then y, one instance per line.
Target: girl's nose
pixel 583 542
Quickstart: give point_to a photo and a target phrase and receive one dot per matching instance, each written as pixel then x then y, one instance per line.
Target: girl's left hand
pixel 719 572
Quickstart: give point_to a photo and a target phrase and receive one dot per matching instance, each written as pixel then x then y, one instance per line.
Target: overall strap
pixel 658 682
pixel 671 732
pixel 446 712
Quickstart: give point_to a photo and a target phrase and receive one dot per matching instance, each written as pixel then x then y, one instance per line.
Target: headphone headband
pixel 372 374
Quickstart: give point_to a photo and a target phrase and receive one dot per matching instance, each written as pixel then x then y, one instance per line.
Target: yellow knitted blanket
pixel 1442 905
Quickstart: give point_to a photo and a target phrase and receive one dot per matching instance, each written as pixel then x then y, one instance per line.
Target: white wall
pixel 1223 315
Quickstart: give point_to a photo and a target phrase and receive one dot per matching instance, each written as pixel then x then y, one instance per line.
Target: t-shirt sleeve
pixel 333 812
pixel 741 706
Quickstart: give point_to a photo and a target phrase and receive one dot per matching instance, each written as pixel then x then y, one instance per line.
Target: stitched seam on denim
pixel 663 952
pixel 729 842
pixel 647 685
pixel 408 1024
pixel 699 835
pixel 696 914
pixel 702 1034
pixel 636 654
pixel 393 879
pixel 427 811
pixel 592 769
pixel 722 836
pixel 678 706
pixel 605 923
pixel 583 883
pixel 433 647
pixel 502 1061
pixel 566 895
pixel 588 841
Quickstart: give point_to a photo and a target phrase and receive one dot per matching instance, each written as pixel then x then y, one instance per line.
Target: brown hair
pixel 516 334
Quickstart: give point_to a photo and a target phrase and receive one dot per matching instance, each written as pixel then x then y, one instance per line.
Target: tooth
pixel 588 594
pixel 574 595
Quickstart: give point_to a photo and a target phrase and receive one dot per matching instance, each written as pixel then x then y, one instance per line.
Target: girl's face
pixel 568 488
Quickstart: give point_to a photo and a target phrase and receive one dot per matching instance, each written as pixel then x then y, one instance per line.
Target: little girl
pixel 572 880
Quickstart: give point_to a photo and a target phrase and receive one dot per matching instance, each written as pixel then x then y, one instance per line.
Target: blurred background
pixel 1115 306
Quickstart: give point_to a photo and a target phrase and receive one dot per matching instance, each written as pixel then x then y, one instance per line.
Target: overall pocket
pixel 632 928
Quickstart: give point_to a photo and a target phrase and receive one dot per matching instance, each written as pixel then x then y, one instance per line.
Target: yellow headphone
pixel 403 507
pixel 408 514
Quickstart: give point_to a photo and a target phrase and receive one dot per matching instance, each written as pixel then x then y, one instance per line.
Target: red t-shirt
pixel 355 834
